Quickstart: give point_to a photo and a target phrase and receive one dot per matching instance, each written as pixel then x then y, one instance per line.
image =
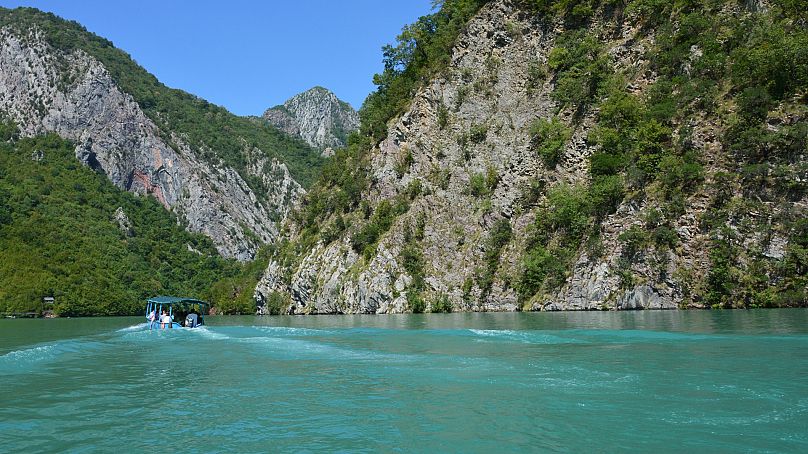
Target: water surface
pixel 720 381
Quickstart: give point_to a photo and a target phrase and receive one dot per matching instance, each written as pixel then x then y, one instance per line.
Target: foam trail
pixel 30 354
pixel 291 331
pixel 18 360
pixel 527 337
pixel 136 327
pixel 298 348
pixel 208 334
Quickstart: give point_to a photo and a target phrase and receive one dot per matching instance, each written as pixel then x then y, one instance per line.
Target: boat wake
pixel 137 327
pixel 525 337
pixel 292 331
pixel 22 360
pixel 205 332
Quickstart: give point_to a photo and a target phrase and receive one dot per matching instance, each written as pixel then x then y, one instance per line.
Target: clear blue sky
pixel 249 55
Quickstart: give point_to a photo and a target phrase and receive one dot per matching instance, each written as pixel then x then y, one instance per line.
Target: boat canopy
pixel 183 307
pixel 171 300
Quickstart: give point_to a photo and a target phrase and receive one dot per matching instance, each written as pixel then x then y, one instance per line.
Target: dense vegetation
pixel 59 236
pixel 749 66
pixel 213 131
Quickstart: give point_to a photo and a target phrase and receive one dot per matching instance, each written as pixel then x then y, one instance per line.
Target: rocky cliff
pixel 45 88
pixel 555 164
pixel 318 117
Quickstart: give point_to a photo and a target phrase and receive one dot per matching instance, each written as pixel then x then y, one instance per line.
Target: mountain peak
pixel 317 116
pixel 56 77
pixel 317 89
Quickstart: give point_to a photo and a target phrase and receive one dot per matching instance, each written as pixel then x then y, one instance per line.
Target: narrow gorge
pixel 516 155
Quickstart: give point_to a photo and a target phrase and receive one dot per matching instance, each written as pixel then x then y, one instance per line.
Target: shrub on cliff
pixel 422 50
pixel 549 139
pixel 582 68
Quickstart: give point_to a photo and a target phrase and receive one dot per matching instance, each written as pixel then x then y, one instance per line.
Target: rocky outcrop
pixel 72 94
pixel 443 160
pixel 320 284
pixel 318 117
pixel 472 121
pixel 124 224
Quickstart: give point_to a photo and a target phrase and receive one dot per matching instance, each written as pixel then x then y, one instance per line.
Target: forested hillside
pixel 230 178
pixel 67 232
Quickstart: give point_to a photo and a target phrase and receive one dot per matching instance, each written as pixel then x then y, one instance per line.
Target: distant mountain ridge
pixel 318 117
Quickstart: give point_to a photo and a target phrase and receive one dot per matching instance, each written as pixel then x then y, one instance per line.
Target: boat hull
pixel 174 325
pixel 156 325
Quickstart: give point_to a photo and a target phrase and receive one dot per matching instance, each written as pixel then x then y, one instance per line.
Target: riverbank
pixel 691 307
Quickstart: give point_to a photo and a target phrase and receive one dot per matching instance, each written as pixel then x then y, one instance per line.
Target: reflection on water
pixel 707 322
pixel 650 381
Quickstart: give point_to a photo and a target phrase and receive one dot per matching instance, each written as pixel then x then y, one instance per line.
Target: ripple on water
pixel 299 348
pixel 21 361
pixel 526 337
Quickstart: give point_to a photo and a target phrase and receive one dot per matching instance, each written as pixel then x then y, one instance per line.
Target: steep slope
pixel 318 117
pixel 567 155
pixel 66 231
pixel 222 175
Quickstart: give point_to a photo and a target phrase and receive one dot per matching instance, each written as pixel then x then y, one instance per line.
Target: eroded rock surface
pixel 473 121
pixel 318 117
pixel 46 90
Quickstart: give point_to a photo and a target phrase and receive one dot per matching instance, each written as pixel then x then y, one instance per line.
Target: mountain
pixel 223 176
pixel 67 232
pixel 567 155
pixel 318 117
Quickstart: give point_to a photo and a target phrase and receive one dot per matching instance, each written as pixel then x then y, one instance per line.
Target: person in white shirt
pixel 165 319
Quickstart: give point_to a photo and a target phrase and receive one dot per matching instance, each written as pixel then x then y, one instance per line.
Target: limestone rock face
pixel 46 90
pixel 474 120
pixel 318 117
pixel 320 285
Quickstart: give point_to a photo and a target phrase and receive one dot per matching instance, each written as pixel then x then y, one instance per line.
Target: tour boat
pixel 189 311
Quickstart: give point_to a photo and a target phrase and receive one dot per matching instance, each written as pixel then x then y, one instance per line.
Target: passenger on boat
pixel 191 320
pixel 152 318
pixel 165 319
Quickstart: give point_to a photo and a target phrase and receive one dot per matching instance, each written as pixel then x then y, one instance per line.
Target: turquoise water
pixel 720 381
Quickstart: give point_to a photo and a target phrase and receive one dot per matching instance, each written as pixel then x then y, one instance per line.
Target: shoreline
pixel 35 316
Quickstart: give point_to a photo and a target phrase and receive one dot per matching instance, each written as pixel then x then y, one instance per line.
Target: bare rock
pixel 115 137
pixel 318 117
